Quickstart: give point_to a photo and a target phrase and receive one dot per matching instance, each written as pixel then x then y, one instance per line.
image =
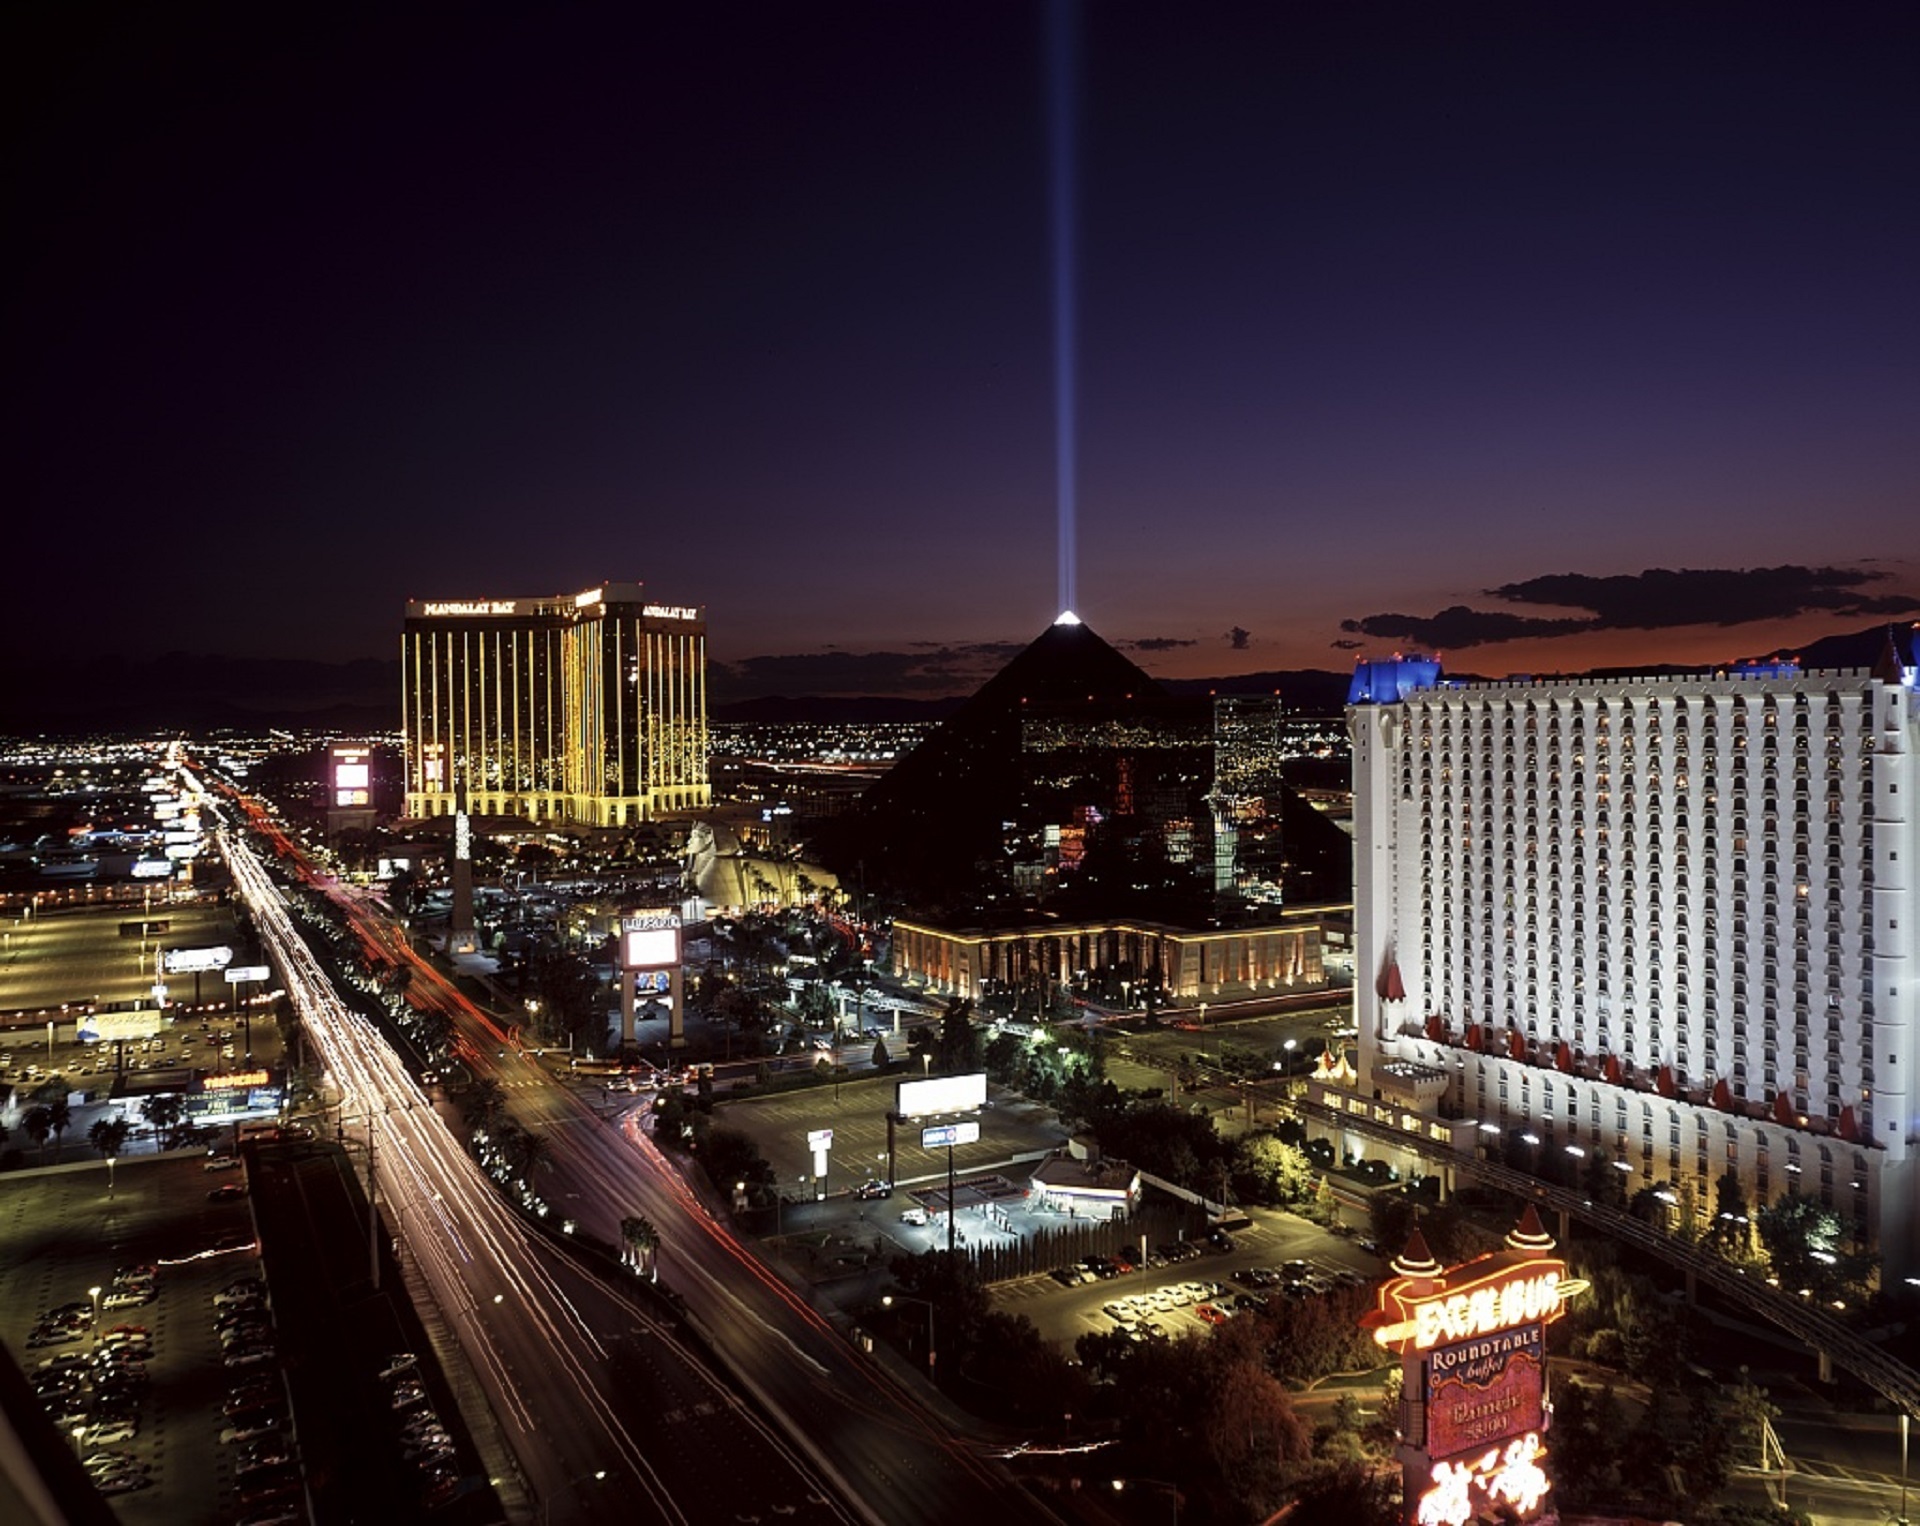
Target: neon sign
pixel 470 607
pixel 1509 1296
pixel 239 1080
pixel 670 611
pixel 1509 1475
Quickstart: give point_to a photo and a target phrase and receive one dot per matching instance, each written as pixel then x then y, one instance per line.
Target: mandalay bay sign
pixel 1473 1395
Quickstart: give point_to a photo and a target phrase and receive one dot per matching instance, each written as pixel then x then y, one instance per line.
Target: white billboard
pixel 189 961
pixel 941 1094
pixel 105 1027
pixel 238 973
pixel 650 940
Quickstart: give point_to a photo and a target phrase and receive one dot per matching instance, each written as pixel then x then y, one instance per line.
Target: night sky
pixel 1430 326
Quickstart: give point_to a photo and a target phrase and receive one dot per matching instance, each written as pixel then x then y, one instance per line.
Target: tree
pixel 1750 1410
pixel 640 1245
pixel 1728 1231
pixel 485 1102
pixel 163 1111
pixel 1272 1172
pixel 38 1122
pixel 881 1059
pixel 959 1044
pixel 109 1135
pixel 1346 1494
pixel 59 1119
pixel 1807 1249
pixel 1252 1430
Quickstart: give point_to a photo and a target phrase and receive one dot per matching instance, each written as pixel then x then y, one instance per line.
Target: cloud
pixel 1457 627
pixel 1239 639
pixel 923 673
pixel 1157 643
pixel 1656 599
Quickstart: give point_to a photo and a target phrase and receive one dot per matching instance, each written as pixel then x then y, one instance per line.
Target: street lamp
pixel 1173 1493
pixel 887 1301
pixel 110 1163
pixel 94 1294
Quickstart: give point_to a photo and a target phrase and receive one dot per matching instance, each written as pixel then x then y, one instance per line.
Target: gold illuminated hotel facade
pixel 589 709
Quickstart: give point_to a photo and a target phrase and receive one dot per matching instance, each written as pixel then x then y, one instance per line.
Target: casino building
pixel 1667 921
pixel 588 709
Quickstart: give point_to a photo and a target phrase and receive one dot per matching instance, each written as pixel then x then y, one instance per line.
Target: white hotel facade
pixel 1667 919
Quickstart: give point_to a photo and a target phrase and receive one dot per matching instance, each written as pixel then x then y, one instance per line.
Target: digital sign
pixel 650 940
pixel 1485 1390
pixel 941 1094
pixel 352 776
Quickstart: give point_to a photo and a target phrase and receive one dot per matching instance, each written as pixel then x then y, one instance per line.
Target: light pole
pixel 110 1160
pixel 1173 1494
pixel 887 1301
pixel 94 1294
pixel 1905 1421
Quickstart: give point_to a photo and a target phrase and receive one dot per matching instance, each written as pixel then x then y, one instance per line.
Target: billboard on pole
pixel 934 1095
pixel 187 961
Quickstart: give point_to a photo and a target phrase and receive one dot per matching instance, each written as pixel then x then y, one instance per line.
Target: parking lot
pixel 1160 1290
pixel 139 1386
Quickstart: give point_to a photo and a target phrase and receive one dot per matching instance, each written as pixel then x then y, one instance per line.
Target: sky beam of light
pixel 1062 62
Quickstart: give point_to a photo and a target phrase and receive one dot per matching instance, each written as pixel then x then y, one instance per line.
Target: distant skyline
pixel 1449 327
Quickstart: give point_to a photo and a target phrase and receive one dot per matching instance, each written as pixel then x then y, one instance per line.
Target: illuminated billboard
pixel 352 776
pixel 650 940
pixel 189 961
pixel 109 1027
pixel 1484 1391
pixel 934 1095
pixel 1472 1346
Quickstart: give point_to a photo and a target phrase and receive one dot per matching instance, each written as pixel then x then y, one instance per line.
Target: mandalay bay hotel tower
pixel 588 709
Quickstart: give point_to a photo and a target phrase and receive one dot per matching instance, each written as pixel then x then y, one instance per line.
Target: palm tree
pixel 486 1101
pixel 109 1135
pixel 38 1122
pixel 59 1119
pixel 641 1242
pixel 163 1110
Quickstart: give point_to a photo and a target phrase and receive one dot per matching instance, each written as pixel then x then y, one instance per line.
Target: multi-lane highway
pixel 886 1455
pixel 570 1367
pixel 871 1433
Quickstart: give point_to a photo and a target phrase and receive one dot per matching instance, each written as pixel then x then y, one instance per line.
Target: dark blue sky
pixel 1384 312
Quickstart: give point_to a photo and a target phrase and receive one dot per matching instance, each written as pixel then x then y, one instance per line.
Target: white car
pixel 112 1430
